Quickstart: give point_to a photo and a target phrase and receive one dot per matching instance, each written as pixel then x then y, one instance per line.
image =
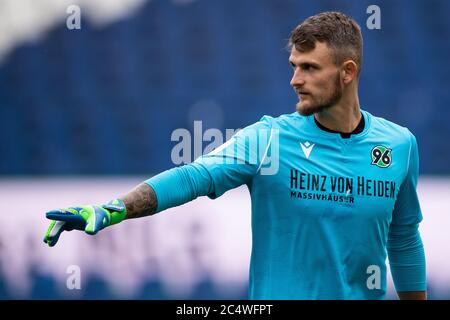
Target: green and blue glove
pixel 90 218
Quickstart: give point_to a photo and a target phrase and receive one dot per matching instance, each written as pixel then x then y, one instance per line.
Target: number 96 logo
pixel 381 156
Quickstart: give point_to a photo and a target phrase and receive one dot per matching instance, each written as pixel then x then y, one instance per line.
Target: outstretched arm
pixel 168 189
pixel 229 166
pixel 140 202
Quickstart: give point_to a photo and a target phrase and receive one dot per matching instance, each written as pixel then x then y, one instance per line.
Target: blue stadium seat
pixel 63 96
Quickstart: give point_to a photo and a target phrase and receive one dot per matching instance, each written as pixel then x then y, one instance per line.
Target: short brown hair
pixel 341 33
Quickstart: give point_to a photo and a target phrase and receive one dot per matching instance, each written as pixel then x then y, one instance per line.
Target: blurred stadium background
pixel 87 114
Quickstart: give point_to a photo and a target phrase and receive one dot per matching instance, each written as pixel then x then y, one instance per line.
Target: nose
pixel 297 79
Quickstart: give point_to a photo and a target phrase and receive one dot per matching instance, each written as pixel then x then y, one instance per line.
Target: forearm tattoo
pixel 140 202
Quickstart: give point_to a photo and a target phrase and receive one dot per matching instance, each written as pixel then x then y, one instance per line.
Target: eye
pixel 292 65
pixel 307 67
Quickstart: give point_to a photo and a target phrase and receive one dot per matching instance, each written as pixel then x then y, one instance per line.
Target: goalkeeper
pixel 333 188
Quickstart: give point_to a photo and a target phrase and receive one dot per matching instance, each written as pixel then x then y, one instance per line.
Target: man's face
pixel 316 79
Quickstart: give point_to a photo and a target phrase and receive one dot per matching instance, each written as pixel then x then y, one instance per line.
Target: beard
pixel 324 102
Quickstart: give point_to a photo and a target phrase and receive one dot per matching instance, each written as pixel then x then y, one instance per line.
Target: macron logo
pixel 307 148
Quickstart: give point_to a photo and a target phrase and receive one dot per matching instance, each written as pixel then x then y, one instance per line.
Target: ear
pixel 350 71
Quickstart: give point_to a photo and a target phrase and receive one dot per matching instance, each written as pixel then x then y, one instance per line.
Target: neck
pixel 343 116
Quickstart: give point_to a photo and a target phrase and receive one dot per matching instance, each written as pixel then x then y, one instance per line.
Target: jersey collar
pixel 360 131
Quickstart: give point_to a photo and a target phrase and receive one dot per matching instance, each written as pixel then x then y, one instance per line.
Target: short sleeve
pixel 239 159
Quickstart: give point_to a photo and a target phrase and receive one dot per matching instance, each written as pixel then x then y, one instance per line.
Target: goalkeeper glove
pixel 91 219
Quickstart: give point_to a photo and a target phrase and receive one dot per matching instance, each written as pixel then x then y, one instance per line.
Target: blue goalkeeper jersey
pixel 326 210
